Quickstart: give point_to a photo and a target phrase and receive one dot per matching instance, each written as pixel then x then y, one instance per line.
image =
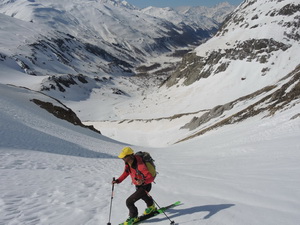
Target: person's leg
pixel 147 199
pixel 137 195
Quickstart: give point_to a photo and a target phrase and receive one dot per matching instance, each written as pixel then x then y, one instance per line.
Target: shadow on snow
pixel 16 135
pixel 211 209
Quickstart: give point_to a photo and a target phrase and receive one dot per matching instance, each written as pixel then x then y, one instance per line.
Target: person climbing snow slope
pixel 141 178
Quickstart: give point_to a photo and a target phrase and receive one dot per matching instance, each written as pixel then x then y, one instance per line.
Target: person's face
pixel 128 159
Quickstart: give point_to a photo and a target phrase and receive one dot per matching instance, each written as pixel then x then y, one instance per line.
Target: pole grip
pixel 113 186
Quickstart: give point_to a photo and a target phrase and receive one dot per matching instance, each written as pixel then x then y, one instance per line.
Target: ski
pixel 157 212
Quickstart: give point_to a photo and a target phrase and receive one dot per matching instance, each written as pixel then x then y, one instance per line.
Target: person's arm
pixel 123 176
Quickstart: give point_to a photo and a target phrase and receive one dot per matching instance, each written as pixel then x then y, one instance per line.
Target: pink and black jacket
pixel 138 171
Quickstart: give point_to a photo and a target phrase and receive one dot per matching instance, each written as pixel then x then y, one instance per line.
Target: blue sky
pixel 175 3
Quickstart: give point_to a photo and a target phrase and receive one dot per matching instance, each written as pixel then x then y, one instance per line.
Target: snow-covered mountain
pixel 56 172
pixel 200 17
pixel 218 13
pixel 88 37
pixel 257 33
pixel 250 68
pixel 246 61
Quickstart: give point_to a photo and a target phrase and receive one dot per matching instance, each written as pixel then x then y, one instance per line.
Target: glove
pixel 115 181
pixel 139 182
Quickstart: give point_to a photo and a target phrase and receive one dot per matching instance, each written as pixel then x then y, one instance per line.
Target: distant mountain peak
pixel 223 4
pixel 195 16
pixel 121 3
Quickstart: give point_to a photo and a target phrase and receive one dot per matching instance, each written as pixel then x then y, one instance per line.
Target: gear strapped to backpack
pixel 149 162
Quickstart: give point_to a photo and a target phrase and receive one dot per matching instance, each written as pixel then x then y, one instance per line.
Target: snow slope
pixel 53 172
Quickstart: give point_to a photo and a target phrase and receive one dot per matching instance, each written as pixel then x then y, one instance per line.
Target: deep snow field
pixel 52 172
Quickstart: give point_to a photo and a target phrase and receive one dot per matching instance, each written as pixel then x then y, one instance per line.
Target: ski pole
pixel 112 196
pixel 172 222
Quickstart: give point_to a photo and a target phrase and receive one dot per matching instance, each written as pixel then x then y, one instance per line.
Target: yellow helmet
pixel 125 152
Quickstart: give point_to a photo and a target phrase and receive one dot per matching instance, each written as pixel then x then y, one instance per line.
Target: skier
pixel 141 178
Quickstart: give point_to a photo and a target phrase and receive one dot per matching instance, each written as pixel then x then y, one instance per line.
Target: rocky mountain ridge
pixel 281 34
pixel 276 26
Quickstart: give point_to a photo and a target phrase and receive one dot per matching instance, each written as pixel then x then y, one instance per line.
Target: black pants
pixel 137 195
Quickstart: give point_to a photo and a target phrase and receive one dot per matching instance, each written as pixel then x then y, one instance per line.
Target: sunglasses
pixel 127 158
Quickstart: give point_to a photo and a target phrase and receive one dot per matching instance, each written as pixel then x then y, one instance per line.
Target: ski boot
pixel 150 210
pixel 131 220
